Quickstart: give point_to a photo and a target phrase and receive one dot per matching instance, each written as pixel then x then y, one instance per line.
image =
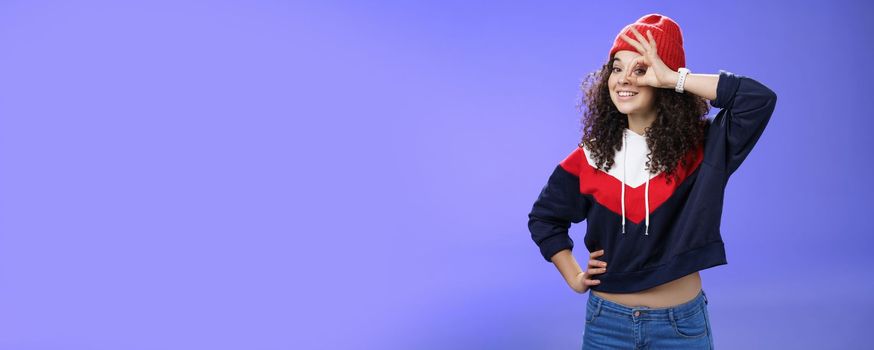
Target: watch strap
pixel 682 80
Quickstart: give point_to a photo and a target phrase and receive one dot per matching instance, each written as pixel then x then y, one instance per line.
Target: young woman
pixel 649 177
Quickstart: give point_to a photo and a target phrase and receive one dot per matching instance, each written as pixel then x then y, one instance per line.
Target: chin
pixel 624 109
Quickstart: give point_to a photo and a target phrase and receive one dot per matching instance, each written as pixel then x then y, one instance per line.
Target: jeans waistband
pixel 643 312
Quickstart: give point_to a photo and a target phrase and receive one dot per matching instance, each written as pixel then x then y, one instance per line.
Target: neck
pixel 638 122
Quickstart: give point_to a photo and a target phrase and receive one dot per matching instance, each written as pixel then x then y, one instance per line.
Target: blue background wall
pixel 325 175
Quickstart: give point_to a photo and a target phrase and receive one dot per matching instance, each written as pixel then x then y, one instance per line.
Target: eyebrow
pixel 614 60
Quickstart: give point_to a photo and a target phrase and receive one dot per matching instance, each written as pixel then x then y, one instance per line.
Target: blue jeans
pixel 610 325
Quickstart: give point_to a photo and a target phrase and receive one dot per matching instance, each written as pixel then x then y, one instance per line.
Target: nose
pixel 626 80
pixel 623 79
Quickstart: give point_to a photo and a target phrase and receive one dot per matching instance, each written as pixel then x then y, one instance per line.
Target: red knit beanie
pixel 667 34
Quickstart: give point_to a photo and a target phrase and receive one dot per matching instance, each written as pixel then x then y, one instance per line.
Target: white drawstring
pixel 624 165
pixel 646 194
pixel 646 199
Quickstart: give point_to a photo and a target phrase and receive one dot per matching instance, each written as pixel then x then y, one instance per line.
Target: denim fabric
pixel 610 325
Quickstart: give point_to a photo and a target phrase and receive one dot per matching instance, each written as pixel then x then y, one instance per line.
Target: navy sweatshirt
pixel 653 232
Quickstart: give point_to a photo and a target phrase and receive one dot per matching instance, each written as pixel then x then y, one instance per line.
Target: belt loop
pixel 705 296
pixel 671 314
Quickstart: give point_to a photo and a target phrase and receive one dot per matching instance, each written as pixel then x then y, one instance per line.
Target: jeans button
pixel 636 313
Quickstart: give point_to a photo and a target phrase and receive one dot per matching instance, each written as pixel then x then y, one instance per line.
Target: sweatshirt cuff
pixel 555 244
pixel 725 89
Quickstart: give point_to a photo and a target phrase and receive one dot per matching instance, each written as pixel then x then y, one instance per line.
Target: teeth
pixel 626 93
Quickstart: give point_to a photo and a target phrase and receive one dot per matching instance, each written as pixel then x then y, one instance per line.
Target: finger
pixel 595 271
pixel 591 282
pixel 640 38
pixel 634 62
pixel 642 61
pixel 597 263
pixel 652 42
pixel 633 43
pixel 597 253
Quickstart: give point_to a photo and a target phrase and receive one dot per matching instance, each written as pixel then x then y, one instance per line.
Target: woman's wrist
pixel 673 78
pixel 574 278
pixel 566 264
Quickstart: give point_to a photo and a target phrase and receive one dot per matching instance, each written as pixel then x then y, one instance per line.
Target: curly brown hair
pixel 679 126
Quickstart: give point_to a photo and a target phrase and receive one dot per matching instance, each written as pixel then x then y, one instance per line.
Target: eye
pixel 614 69
pixel 641 70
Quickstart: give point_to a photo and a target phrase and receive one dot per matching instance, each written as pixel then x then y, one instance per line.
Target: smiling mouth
pixel 626 95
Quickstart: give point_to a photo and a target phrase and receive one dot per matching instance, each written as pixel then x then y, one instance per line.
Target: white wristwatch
pixel 683 72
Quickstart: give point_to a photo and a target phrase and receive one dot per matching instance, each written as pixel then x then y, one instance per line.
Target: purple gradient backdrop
pixel 327 175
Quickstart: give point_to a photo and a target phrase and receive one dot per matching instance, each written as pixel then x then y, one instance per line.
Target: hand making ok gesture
pixel 658 74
